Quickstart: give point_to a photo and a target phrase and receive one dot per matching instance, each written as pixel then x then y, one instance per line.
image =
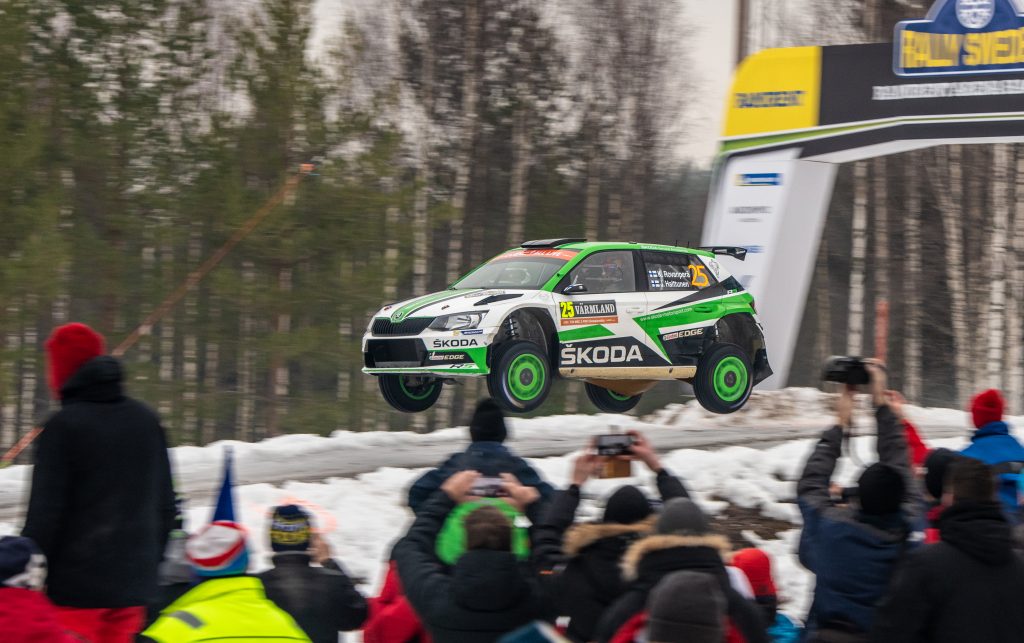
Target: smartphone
pixel 614 444
pixel 489 488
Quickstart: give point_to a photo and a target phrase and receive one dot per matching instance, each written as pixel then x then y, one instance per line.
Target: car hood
pixel 447 302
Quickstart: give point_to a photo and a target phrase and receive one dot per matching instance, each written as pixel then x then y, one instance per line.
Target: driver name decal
pixel 576 313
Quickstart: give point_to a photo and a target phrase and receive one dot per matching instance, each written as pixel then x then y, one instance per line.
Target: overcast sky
pixel 714 37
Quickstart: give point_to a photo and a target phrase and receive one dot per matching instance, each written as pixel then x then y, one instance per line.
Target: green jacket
pixel 226 610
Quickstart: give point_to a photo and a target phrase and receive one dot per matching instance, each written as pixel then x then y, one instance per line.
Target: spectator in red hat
pixel 102 502
pixel 757 567
pixel 993 445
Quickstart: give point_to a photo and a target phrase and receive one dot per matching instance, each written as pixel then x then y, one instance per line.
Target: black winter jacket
pixel 649 560
pixel 486 594
pixel 322 600
pixel 102 502
pixel 966 588
pixel 580 563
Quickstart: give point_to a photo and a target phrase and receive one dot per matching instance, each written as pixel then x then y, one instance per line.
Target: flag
pixel 225 509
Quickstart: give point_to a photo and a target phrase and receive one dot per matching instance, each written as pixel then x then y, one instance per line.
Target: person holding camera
pixel 581 561
pixel 853 549
pixel 488 592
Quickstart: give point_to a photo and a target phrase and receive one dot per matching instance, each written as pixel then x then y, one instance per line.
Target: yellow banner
pixel 775 90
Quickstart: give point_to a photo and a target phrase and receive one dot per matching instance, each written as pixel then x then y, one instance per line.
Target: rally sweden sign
pixel 962 37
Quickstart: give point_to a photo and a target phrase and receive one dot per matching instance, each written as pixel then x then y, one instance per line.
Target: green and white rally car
pixel 619 316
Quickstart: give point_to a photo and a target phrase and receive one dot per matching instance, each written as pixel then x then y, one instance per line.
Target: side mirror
pixel 572 289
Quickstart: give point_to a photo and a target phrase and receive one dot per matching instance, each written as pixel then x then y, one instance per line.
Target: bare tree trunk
pixel 344 335
pixel 949 191
pixel 855 338
pixel 519 187
pixel 453 264
pixel 615 215
pixel 10 370
pixel 1015 329
pixel 911 287
pixel 246 377
pixel 592 209
pixel 880 270
pixel 824 303
pixel 211 371
pixel 999 225
pixel 166 407
pixel 190 363
pixel 29 340
pixel 421 237
pixel 277 405
pixel 145 343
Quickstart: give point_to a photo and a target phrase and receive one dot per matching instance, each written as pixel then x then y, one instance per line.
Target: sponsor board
pixel 577 313
pixel 961 37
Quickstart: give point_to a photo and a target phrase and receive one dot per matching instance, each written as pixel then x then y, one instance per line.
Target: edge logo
pixel 578 356
pixel 764 179
pixel 453 343
pixel 683 334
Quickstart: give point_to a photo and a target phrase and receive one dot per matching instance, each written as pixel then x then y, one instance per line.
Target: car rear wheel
pixel 409 393
pixel 724 379
pixel 520 376
pixel 609 401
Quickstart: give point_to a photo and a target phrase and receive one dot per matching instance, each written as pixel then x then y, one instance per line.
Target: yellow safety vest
pixel 226 610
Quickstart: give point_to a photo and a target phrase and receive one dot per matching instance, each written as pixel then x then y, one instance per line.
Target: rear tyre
pixel 724 379
pixel 610 401
pixel 409 393
pixel 520 376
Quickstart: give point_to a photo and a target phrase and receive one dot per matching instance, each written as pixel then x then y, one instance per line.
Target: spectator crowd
pixel 925 547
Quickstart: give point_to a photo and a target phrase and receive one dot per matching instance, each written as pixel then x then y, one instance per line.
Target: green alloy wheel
pixel 409 393
pixel 520 376
pixel 723 381
pixel 610 401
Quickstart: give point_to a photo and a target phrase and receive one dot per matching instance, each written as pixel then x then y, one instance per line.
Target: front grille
pixel 411 326
pixel 394 353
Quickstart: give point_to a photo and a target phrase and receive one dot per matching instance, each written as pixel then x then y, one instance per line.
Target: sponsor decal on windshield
pixel 548 253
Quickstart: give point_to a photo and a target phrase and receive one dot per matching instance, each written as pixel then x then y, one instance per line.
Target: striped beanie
pixel 218 549
pixel 290 529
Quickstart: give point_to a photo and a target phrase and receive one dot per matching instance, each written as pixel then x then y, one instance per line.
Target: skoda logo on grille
pixel 397 317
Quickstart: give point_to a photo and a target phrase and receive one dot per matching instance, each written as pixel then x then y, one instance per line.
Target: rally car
pixel 619 316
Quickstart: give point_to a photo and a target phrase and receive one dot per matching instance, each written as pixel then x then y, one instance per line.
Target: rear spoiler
pixel 735 252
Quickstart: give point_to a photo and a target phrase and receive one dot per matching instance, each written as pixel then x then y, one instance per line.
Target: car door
pixel 596 327
pixel 678 311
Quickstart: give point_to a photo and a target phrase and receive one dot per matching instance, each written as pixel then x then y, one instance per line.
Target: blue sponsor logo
pixel 759 100
pixel 477 331
pixel 961 37
pixel 759 180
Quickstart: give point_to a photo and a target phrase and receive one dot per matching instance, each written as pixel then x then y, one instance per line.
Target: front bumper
pixel 447 353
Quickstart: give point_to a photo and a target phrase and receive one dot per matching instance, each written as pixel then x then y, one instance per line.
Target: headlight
pixel 458 321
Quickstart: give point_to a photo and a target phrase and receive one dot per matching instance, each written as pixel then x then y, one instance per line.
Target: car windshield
pixel 523 269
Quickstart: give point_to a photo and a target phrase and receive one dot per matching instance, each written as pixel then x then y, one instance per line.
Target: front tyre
pixel 724 379
pixel 610 401
pixel 409 393
pixel 520 376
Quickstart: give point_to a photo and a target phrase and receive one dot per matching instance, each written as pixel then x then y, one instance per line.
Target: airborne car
pixel 619 316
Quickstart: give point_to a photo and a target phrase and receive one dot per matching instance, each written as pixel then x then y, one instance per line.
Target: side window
pixel 605 272
pixel 676 271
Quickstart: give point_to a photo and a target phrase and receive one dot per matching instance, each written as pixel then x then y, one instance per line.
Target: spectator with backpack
pixel 992 444
pixel 853 550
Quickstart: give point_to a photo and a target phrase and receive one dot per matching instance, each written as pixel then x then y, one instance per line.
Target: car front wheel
pixel 409 393
pixel 724 379
pixel 610 401
pixel 520 376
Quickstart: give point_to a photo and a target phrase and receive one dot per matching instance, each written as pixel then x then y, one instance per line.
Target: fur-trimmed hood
pixel 658 542
pixel 581 536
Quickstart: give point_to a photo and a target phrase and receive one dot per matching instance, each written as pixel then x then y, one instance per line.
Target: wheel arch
pixel 538 318
pixel 742 330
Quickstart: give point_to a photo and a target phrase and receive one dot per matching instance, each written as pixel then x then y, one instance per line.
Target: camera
pixel 846 370
pixel 488 488
pixel 614 444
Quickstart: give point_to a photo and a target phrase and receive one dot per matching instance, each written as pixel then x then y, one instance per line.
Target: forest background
pixel 138 135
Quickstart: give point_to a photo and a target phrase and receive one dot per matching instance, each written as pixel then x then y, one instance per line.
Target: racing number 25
pixel 698 278
pixel 568 311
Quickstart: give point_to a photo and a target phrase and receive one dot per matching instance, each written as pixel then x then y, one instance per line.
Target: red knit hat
pixel 756 565
pixel 69 347
pixel 987 407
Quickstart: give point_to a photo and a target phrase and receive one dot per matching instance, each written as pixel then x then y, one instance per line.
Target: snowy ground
pixel 363 513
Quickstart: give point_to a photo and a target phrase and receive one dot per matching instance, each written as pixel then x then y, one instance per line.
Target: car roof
pixel 591 246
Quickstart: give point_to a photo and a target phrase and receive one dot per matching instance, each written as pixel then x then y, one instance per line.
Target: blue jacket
pixel 851 555
pixel 491 459
pixel 993 444
pixel 784 630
